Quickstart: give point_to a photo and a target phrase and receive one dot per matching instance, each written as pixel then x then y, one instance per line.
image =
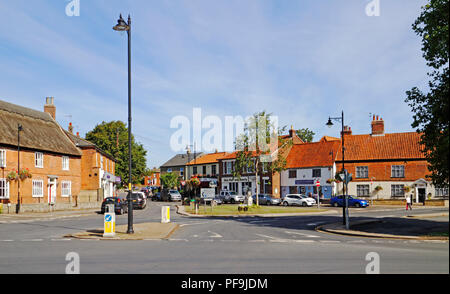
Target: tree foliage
pixel 305 134
pixel 431 109
pixel 112 137
pixel 169 180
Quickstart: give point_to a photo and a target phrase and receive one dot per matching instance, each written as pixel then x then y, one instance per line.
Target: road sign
pixel 318 184
pixel 109 224
pixel 165 214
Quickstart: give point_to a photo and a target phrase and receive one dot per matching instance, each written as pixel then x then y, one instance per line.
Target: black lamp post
pixel 19 129
pixel 345 216
pixel 122 26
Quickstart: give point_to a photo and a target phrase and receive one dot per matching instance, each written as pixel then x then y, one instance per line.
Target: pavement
pixel 433 226
pixel 142 231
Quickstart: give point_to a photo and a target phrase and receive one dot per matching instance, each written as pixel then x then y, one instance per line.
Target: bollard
pixel 165 214
pixel 109 228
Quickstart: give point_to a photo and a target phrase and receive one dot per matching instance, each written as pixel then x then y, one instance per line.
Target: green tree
pixel 169 180
pixel 112 137
pixel 259 146
pixel 305 134
pixel 431 109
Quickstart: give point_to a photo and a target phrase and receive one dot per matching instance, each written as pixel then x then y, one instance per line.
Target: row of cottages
pixel 43 166
pixel 383 166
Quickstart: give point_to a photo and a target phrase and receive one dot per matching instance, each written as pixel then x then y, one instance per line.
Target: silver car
pixel 298 199
pixel 174 195
pixel 231 197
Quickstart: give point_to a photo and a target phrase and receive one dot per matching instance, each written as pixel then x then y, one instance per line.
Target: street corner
pixel 144 231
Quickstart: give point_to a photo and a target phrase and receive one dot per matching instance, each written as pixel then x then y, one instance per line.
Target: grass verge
pixel 232 209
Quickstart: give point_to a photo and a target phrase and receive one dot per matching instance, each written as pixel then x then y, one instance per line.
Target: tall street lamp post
pixel 122 26
pixel 19 129
pixel 344 177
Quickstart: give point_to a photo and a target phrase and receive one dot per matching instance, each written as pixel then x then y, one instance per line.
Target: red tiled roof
pixel 312 154
pixel 207 158
pixel 389 146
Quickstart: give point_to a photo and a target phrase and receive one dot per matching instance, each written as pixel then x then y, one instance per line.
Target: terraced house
pixel 47 169
pixel 387 165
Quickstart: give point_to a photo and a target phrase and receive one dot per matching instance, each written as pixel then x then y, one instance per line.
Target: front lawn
pixel 232 209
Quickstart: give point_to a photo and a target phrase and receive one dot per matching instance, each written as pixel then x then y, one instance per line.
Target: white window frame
pixel 2 158
pixel 4 186
pixel 66 188
pixel 38 188
pixel 441 192
pixel 362 190
pixel 39 159
pixel 397 171
pixel 65 163
pixel 362 172
pixel 397 190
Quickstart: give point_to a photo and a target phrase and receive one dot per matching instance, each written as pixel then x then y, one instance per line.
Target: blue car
pixel 339 201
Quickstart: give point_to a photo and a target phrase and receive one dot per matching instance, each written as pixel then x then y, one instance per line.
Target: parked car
pixel 266 199
pixel 120 204
pixel 139 200
pixel 231 197
pixel 339 201
pixel 217 200
pixel 298 199
pixel 170 195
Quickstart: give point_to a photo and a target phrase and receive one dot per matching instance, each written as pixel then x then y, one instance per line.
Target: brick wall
pixel 52 167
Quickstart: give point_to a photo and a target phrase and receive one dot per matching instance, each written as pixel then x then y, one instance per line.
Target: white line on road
pixel 302 234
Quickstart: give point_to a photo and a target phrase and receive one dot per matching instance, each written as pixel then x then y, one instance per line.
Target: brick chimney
pixel 49 107
pixel 70 128
pixel 347 130
pixel 377 126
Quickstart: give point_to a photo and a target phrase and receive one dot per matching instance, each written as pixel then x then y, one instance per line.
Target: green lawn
pixel 232 209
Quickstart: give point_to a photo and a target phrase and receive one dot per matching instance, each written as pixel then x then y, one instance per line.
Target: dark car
pixel 339 201
pixel 139 200
pixel 120 205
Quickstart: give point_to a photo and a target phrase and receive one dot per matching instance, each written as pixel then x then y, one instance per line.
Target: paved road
pixel 218 245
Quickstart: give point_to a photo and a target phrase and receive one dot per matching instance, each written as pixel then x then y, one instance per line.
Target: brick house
pixel 206 168
pixel 307 164
pixel 98 179
pixel 391 161
pixel 45 151
pixel 153 180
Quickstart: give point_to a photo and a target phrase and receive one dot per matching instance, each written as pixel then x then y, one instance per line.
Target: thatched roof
pixel 40 131
pixel 85 144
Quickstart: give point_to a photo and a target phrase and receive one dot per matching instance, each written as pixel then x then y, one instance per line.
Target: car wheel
pixel 304 204
pixel 335 204
pixel 232 201
pixel 285 203
pixel 357 205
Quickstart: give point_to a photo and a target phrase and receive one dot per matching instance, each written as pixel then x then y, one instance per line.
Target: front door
pixel 421 192
pixel 51 191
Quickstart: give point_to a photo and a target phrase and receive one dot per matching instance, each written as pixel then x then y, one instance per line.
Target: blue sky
pixel 302 60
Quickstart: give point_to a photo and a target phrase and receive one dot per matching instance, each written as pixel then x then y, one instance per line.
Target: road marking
pixel 303 241
pixel 302 234
pixel 62 239
pixel 329 241
pixel 254 241
pixel 185 240
pixel 32 240
pixel 7 240
pixel 215 235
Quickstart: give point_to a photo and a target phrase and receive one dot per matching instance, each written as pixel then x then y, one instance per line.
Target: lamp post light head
pixel 329 123
pixel 121 25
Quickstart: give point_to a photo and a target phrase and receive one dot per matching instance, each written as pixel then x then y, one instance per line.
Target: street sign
pixel 318 184
pixel 109 224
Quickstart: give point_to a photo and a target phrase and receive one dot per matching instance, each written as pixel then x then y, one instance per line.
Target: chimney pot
pixel 49 107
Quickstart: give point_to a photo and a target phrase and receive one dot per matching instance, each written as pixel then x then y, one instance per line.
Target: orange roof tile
pixel 207 158
pixel 389 146
pixel 312 154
